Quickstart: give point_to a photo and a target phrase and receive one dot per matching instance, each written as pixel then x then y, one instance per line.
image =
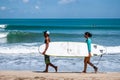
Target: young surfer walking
pixel 47 58
pixel 88 35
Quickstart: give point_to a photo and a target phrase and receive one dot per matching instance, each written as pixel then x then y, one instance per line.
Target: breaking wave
pixel 27 48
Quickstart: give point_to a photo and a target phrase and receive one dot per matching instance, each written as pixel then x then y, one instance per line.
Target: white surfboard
pixel 71 49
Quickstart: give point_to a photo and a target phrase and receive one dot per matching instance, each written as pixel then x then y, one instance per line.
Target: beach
pixel 36 75
pixel 59 39
pixel 20 40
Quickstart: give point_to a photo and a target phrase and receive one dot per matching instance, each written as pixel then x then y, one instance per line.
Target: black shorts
pixel 47 59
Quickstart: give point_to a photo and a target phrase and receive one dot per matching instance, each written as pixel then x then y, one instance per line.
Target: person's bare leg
pixel 95 68
pixel 55 67
pixel 85 64
pixel 46 69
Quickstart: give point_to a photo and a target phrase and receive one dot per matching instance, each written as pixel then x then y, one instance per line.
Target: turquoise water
pixel 20 39
pixel 30 30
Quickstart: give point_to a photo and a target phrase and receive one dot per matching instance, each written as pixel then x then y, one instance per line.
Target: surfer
pixel 88 35
pixel 47 58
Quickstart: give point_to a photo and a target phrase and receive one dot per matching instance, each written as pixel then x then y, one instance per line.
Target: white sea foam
pixel 27 48
pixel 3 26
pixel 3 40
pixel 3 34
pixel 18 48
pixel 113 49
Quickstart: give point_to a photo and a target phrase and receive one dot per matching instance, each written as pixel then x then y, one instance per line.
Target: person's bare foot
pixel 56 68
pixel 45 71
pixel 83 71
pixel 96 69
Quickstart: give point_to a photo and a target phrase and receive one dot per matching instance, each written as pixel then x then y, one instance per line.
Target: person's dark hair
pixel 89 34
pixel 45 32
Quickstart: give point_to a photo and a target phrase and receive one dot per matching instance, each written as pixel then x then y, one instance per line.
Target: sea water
pixel 20 39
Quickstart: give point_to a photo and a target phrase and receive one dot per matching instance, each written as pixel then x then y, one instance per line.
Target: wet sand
pixel 36 75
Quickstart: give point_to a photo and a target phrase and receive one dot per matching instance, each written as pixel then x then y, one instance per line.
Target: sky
pixel 59 9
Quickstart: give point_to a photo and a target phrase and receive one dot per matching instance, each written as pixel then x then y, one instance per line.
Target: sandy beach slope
pixel 35 75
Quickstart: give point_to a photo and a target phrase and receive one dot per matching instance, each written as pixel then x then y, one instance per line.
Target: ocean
pixel 20 39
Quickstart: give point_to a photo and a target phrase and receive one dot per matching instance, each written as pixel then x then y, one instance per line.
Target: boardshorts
pixel 47 59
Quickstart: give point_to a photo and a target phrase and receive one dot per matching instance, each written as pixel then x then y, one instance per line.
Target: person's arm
pixel 46 47
pixel 89 46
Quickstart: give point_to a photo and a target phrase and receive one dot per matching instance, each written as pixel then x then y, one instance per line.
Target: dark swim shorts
pixel 47 59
